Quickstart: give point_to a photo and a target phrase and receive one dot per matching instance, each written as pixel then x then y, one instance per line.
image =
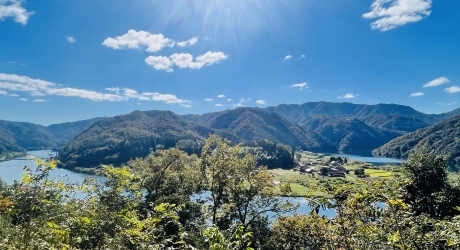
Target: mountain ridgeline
pixel 313 126
pixel 18 137
pixel 443 138
pixel 118 139
pixel 318 127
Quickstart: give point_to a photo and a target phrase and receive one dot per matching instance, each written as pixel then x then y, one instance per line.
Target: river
pixel 377 161
pixel 13 169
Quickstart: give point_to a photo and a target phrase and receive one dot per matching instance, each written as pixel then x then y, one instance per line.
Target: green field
pixel 378 173
pixel 301 184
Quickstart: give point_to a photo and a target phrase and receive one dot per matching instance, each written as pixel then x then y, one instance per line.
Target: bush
pixel 360 173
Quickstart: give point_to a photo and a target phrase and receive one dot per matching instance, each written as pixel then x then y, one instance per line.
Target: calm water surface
pixel 378 161
pixel 13 169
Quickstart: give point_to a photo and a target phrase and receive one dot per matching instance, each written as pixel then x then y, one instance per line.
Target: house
pixel 306 169
pixel 341 168
pixel 335 172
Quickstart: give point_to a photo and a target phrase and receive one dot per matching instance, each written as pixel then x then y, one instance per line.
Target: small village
pixel 314 170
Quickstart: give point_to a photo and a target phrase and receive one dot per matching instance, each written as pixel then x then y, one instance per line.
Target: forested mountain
pixel 121 138
pixel 302 113
pixel 357 128
pixel 18 137
pixel 255 124
pixel 315 126
pixel 443 138
pixel 67 131
pixel 350 134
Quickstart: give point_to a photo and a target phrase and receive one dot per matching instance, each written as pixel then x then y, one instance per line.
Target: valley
pixel 314 126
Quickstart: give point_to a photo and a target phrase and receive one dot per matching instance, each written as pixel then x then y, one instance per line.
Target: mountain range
pixel 314 126
pixel 18 137
pixel 443 138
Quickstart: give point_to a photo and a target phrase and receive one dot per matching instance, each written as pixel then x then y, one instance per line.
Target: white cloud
pixel 116 90
pixel 229 99
pixel 417 94
pixel 238 104
pixel 208 100
pixel 302 56
pixel 13 95
pixel 394 13
pixel 287 57
pixel 452 90
pixel 446 104
pixel 40 100
pixel 187 43
pixel 436 82
pixel 211 57
pixel 3 92
pixel 70 39
pixel 221 96
pixel 159 62
pixel 348 96
pixel 36 87
pixel 303 85
pixel 261 102
pixel 139 40
pixel 23 99
pixel 13 8
pixel 184 60
pixel 219 105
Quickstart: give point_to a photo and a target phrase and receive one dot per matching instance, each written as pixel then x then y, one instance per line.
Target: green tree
pixel 171 176
pixel 427 190
pixel 239 192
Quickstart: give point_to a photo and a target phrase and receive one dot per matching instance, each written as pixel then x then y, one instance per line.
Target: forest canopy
pixel 221 199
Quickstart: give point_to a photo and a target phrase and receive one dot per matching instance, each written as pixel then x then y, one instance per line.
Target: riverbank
pixel 89 171
pixel 11 155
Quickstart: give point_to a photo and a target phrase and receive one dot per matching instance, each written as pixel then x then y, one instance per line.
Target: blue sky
pixel 77 59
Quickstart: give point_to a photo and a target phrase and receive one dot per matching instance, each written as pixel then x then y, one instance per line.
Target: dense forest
pixel 318 127
pixel 18 137
pixel 220 199
pixel 313 126
pixel 443 138
pixel 118 139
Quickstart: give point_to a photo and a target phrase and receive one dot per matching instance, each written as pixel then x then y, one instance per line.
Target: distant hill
pixel 315 126
pixel 443 138
pixel 357 127
pixel 121 138
pixel 18 137
pixel 67 131
pixel 350 134
pixel 255 124
pixel 302 113
pixel 118 139
pixel 27 135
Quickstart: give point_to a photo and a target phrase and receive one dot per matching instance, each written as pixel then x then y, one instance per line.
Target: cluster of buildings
pixel 332 169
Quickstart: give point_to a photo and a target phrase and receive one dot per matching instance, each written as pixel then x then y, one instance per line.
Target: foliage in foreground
pixel 220 200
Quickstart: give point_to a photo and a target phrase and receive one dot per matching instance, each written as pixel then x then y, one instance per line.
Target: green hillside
pixel 443 138
pixel 118 139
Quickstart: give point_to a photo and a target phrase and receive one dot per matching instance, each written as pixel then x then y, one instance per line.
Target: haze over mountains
pixel 314 126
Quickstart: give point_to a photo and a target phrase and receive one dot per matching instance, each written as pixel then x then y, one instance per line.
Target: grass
pixel 378 173
pixel 301 184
